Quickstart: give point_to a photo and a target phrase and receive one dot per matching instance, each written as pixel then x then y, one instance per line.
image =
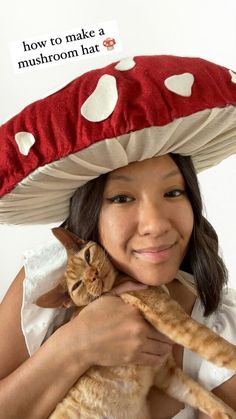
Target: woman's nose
pixel 153 219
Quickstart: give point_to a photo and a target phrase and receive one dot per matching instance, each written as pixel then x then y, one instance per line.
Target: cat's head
pixel 89 273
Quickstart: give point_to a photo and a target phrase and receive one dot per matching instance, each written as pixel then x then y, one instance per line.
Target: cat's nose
pixel 95 275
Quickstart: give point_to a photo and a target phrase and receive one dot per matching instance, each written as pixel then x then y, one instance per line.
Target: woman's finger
pixel 154 334
pixel 151 360
pixel 157 348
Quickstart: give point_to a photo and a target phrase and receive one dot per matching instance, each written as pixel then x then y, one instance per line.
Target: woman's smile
pixel 160 254
pixel 146 219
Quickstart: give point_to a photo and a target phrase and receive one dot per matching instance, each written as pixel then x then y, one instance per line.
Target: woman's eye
pixel 175 193
pixel 120 199
pixel 87 256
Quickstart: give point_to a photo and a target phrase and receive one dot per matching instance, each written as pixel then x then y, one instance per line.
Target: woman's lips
pixel 159 254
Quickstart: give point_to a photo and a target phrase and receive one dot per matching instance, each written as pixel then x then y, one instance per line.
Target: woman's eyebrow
pixel 121 177
pixel 167 175
pixel 174 172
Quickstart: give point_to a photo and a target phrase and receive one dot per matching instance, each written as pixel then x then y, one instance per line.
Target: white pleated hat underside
pixel 208 137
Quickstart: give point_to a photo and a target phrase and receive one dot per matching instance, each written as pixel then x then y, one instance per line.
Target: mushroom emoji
pixel 131 110
pixel 109 43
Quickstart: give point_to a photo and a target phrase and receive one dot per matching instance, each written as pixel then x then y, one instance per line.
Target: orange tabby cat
pixel 120 392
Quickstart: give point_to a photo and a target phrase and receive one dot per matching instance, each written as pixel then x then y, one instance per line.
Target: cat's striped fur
pixel 121 392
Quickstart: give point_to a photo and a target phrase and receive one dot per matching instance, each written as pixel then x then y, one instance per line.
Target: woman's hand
pixel 115 333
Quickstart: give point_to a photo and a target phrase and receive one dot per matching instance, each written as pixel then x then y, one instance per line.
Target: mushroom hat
pixel 128 111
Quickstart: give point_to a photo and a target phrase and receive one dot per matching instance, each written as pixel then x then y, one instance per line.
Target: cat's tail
pixel 167 316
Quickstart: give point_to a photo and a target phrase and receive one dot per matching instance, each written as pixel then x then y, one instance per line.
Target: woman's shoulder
pixel 11 335
pixel 228 299
pixel 45 256
pixel 222 321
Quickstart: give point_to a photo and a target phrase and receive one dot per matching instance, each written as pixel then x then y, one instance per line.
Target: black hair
pixel 202 259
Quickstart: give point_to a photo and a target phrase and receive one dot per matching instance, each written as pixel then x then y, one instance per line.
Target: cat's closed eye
pixel 76 285
pixel 87 256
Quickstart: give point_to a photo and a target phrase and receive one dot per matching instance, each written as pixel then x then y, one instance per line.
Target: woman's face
pixel 146 219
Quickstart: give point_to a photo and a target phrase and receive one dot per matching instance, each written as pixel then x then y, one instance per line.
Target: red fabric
pixel 60 129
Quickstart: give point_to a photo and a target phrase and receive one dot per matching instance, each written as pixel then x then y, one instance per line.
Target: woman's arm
pixel 10 328
pixel 161 405
pixel 31 387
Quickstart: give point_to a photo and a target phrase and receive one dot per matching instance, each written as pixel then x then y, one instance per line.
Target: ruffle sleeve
pixel 43 268
pixel 222 322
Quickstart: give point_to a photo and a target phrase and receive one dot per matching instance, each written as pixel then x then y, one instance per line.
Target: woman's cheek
pixel 109 229
pixel 186 219
pixel 115 239
pixel 189 220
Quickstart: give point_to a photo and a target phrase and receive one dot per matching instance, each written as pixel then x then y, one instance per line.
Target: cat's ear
pixel 68 239
pixel 57 297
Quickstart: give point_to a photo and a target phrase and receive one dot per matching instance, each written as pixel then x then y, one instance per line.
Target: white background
pixel 203 28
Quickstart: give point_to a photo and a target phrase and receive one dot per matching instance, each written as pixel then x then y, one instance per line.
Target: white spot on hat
pixel 180 84
pixel 24 140
pixel 233 76
pixel 101 103
pixel 125 64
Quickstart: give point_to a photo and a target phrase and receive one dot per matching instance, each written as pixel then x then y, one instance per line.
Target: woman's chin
pixel 158 277
pixel 150 273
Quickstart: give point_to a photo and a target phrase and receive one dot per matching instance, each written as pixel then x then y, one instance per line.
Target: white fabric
pixel 180 84
pixel 24 140
pixel 125 64
pixel 43 196
pixel 102 102
pixel 45 265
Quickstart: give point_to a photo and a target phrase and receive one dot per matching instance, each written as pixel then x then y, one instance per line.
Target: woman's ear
pixel 68 239
pixel 57 297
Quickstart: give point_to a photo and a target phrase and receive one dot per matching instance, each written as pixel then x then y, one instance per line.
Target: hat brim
pixel 207 136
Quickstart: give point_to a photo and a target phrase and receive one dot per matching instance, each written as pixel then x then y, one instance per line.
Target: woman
pixel 147 215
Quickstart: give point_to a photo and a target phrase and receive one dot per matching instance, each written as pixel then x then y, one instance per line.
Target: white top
pixel 43 268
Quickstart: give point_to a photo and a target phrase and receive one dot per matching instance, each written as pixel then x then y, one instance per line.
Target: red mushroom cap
pixel 127 111
pixel 109 42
